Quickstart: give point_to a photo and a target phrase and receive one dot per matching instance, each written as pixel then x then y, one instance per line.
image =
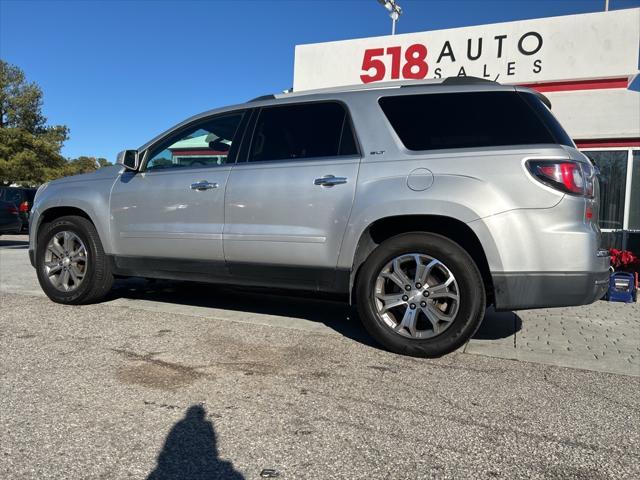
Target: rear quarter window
pixel 467 120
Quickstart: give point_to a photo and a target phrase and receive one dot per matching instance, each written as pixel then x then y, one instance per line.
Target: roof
pixel 450 84
pixel 195 142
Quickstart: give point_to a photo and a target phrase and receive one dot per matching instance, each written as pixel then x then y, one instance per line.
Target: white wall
pixel 595 114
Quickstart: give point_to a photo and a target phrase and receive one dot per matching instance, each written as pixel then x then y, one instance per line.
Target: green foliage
pixel 28 159
pixel 83 165
pixel 20 101
pixel 29 148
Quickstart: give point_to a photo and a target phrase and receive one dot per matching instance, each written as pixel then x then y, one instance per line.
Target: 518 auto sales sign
pixel 576 47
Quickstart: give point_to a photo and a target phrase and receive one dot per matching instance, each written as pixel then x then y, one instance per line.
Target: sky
pixel 119 72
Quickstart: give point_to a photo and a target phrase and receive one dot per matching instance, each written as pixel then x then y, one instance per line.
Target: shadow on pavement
pixel 190 451
pixel 337 315
pixel 333 313
pixel 15 243
pixel 497 325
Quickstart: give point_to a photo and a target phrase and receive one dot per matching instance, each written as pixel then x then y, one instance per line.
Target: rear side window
pixel 549 120
pixel 9 194
pixel 467 120
pixel 302 131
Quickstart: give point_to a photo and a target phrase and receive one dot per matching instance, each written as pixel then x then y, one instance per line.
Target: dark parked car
pixel 10 221
pixel 22 198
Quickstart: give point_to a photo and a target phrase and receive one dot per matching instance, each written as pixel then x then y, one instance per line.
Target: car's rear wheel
pixel 420 294
pixel 70 261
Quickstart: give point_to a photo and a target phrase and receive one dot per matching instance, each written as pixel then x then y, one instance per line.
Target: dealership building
pixel 587 65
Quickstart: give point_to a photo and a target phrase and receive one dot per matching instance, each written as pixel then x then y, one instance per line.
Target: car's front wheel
pixel 70 261
pixel 420 294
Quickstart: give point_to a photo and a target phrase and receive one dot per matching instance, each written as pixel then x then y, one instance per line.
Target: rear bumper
pixel 526 290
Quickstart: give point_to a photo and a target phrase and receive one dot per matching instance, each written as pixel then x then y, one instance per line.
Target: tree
pixel 29 149
pixel 84 165
pixel 103 162
pixel 20 102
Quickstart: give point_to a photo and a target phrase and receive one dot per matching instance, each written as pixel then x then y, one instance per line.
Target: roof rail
pixel 378 86
pixel 270 96
pixel 358 87
pixel 466 81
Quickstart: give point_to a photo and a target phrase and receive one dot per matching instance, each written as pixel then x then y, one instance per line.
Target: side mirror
pixel 128 159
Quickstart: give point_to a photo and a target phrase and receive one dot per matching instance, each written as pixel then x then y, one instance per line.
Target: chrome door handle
pixel 329 181
pixel 203 185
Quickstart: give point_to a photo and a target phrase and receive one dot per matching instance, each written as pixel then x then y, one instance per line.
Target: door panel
pixel 174 207
pixel 159 214
pixel 276 214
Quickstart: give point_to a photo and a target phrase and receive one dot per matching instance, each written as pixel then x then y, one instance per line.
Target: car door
pixel 172 210
pixel 288 203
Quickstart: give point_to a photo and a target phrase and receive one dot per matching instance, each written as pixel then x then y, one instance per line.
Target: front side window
pixel 613 181
pixel 468 120
pixel 204 144
pixel 292 132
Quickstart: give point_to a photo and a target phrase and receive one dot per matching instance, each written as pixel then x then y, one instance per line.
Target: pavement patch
pixel 151 372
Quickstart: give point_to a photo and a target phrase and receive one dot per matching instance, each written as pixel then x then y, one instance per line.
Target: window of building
pixel 467 120
pixel 292 132
pixel 613 181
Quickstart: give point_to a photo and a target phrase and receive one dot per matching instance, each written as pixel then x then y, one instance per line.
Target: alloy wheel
pixel 65 261
pixel 416 295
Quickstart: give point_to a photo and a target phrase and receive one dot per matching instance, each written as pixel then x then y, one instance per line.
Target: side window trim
pixel 247 137
pixel 237 145
pixel 349 122
pixel 181 130
pixel 346 120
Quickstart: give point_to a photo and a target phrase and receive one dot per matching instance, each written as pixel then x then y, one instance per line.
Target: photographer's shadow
pixel 190 452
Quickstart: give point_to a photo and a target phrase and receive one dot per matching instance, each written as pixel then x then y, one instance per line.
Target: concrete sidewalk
pixel 604 337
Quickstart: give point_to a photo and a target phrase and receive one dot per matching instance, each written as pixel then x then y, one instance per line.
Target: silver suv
pixel 421 203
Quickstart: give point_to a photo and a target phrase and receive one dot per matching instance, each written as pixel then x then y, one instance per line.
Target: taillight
pixel 12 210
pixel 24 207
pixel 567 176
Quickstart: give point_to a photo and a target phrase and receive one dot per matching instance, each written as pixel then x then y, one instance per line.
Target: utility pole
pixel 394 12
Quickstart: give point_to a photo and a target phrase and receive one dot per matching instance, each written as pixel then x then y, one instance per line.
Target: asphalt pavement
pixel 170 380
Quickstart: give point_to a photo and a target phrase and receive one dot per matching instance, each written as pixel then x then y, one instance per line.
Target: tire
pixel 429 336
pixel 96 279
